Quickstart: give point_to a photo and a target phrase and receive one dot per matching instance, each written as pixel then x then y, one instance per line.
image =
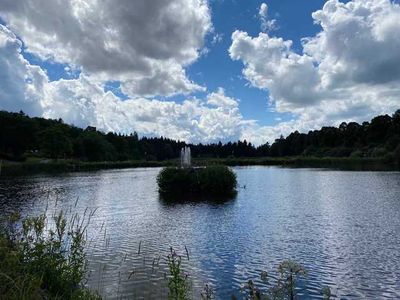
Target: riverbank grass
pixel 37 262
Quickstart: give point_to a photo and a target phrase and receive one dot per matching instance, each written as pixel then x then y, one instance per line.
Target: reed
pixel 214 180
pixel 43 261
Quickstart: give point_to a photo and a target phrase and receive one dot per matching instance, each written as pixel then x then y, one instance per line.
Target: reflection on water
pixel 342 226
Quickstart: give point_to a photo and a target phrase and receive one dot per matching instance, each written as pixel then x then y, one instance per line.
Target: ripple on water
pixel 342 226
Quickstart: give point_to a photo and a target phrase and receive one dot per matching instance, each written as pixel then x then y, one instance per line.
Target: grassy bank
pixel 62 166
pixel 340 163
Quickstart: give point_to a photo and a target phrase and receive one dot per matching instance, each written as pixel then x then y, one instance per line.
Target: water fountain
pixel 186 159
pixel 178 183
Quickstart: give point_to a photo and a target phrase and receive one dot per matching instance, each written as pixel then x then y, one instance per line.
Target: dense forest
pixel 22 137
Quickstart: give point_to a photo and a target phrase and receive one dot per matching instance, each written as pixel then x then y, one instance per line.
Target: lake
pixel 343 227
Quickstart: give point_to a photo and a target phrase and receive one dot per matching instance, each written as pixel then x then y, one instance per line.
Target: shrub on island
pixel 208 181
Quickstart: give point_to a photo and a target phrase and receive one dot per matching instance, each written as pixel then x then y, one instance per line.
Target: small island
pixel 213 180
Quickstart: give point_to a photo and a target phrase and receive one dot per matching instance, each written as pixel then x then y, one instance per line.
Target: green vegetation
pixel 34 166
pixel 178 283
pixel 41 263
pixel 378 138
pixel 285 288
pixel 342 163
pixel 23 138
pixel 214 180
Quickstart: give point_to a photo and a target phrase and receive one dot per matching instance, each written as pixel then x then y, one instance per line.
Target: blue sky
pixel 205 72
pixel 216 69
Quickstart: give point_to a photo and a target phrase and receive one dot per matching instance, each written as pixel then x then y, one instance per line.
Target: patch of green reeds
pixel 44 258
pixel 216 180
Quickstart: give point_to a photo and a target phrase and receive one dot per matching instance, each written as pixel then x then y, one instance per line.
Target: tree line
pixel 378 138
pixel 22 136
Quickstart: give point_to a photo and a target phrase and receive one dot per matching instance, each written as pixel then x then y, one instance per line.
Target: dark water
pixel 344 227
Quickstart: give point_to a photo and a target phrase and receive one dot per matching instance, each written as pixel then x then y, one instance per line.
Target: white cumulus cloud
pixel 350 70
pixel 146 44
pixel 83 101
pixel 219 99
pixel 21 85
pixel 267 24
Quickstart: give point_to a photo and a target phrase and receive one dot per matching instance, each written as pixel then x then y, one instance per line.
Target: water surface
pixel 344 227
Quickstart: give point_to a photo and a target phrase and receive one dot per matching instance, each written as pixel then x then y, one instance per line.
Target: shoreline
pixel 67 166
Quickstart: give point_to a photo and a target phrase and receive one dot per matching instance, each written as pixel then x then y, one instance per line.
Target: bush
pixel 338 152
pixel 41 263
pixel 212 180
pixel 357 153
pixel 379 152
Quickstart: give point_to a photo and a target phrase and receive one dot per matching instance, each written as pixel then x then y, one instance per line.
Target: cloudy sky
pixel 198 70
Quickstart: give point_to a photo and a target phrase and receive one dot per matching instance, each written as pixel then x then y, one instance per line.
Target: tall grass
pixel 178 282
pixel 212 180
pixel 43 261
